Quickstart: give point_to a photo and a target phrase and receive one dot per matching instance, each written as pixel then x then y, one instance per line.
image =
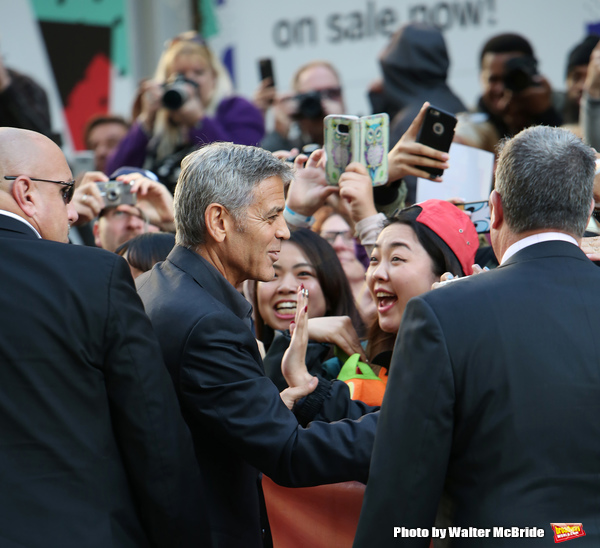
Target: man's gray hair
pixel 221 173
pixel 545 176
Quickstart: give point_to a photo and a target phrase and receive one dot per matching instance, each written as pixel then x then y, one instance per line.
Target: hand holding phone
pixel 437 131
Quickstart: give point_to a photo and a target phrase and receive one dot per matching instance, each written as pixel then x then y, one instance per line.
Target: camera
pixel 176 93
pixel 115 193
pixel 309 106
pixel 519 73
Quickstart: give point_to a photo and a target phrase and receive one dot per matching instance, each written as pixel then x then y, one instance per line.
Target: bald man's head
pixel 26 157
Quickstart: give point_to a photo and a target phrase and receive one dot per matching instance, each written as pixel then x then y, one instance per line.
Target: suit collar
pixel 207 276
pixel 543 250
pixel 16 228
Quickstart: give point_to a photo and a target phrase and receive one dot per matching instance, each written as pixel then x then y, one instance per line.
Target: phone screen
pixel 265 67
pixel 479 214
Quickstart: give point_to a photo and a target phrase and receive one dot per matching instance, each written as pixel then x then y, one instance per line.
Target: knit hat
pixel 454 227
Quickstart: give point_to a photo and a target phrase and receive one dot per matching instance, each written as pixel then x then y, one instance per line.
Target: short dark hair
pixel 545 176
pixel 506 43
pixel 581 53
pixel 145 250
pixel 100 120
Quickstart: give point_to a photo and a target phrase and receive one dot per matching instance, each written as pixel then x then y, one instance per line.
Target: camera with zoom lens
pixel 176 93
pixel 115 193
pixel 309 106
pixel 519 73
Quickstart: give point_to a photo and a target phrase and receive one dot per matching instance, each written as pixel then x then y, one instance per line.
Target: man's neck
pixel 511 239
pixel 210 254
pixel 13 215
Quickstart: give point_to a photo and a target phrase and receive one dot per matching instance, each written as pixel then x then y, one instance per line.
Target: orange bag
pixel 362 381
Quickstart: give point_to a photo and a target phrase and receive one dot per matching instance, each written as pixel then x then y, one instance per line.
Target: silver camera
pixel 115 193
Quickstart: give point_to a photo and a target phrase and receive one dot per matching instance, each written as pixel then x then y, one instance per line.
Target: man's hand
pixel 336 330
pixel 356 191
pixel 407 155
pixel 264 96
pixel 309 189
pixel 293 364
pixel 87 199
pixel 291 395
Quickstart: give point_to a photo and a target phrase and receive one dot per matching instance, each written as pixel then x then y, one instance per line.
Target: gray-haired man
pixel 495 379
pixel 229 203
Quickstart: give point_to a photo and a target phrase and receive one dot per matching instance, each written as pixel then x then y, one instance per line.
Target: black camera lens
pixel 112 195
pixel 310 107
pixel 173 98
pixel 519 73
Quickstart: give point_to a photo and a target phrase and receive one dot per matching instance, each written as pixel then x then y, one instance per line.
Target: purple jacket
pixel 236 120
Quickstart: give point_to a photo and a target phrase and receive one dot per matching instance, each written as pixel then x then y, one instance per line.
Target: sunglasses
pixel 67 193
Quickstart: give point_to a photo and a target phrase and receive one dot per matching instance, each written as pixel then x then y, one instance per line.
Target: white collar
pixel 9 214
pixel 536 239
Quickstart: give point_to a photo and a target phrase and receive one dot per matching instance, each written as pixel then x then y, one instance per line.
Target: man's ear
pixel 218 222
pixel 496 210
pixel 96 232
pixel 23 193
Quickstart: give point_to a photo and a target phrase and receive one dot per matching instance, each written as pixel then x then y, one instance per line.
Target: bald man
pixel 94 450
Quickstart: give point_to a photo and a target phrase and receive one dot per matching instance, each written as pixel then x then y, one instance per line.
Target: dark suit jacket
pixel 494 395
pixel 237 419
pixel 94 452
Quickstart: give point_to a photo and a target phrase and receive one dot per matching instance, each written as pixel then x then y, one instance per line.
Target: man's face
pixel 250 249
pixel 492 80
pixel 103 139
pixel 320 78
pixel 575 80
pixel 117 226
pixel 52 217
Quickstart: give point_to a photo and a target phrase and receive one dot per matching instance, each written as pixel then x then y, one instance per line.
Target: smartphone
pixel 437 132
pixel 342 144
pixel 480 214
pixel 265 68
pixel 375 145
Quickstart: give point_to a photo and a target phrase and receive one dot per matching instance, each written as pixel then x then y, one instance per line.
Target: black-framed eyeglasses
pixel 331 236
pixel 67 193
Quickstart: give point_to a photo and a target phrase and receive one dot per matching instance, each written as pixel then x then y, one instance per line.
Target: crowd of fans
pixel 344 239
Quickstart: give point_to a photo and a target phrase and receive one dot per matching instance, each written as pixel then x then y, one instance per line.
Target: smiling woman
pixel 305 259
pixel 412 252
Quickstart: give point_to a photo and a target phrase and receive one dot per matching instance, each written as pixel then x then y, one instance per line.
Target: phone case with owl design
pixel 374 146
pixel 342 144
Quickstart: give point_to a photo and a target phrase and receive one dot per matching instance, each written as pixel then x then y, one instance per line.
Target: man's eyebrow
pixel 274 210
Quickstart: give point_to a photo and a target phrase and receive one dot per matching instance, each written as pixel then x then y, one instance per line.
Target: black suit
pixel 237 419
pixel 94 452
pixel 494 397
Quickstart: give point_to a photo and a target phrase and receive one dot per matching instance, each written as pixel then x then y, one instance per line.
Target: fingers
pixel 315 158
pixel 356 167
pixel 285 154
pixel 415 126
pixel 92 177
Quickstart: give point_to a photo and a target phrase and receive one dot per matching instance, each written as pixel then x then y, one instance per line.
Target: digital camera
pixel 519 73
pixel 176 93
pixel 115 193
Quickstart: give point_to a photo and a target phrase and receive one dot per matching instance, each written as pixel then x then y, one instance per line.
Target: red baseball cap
pixel 454 227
